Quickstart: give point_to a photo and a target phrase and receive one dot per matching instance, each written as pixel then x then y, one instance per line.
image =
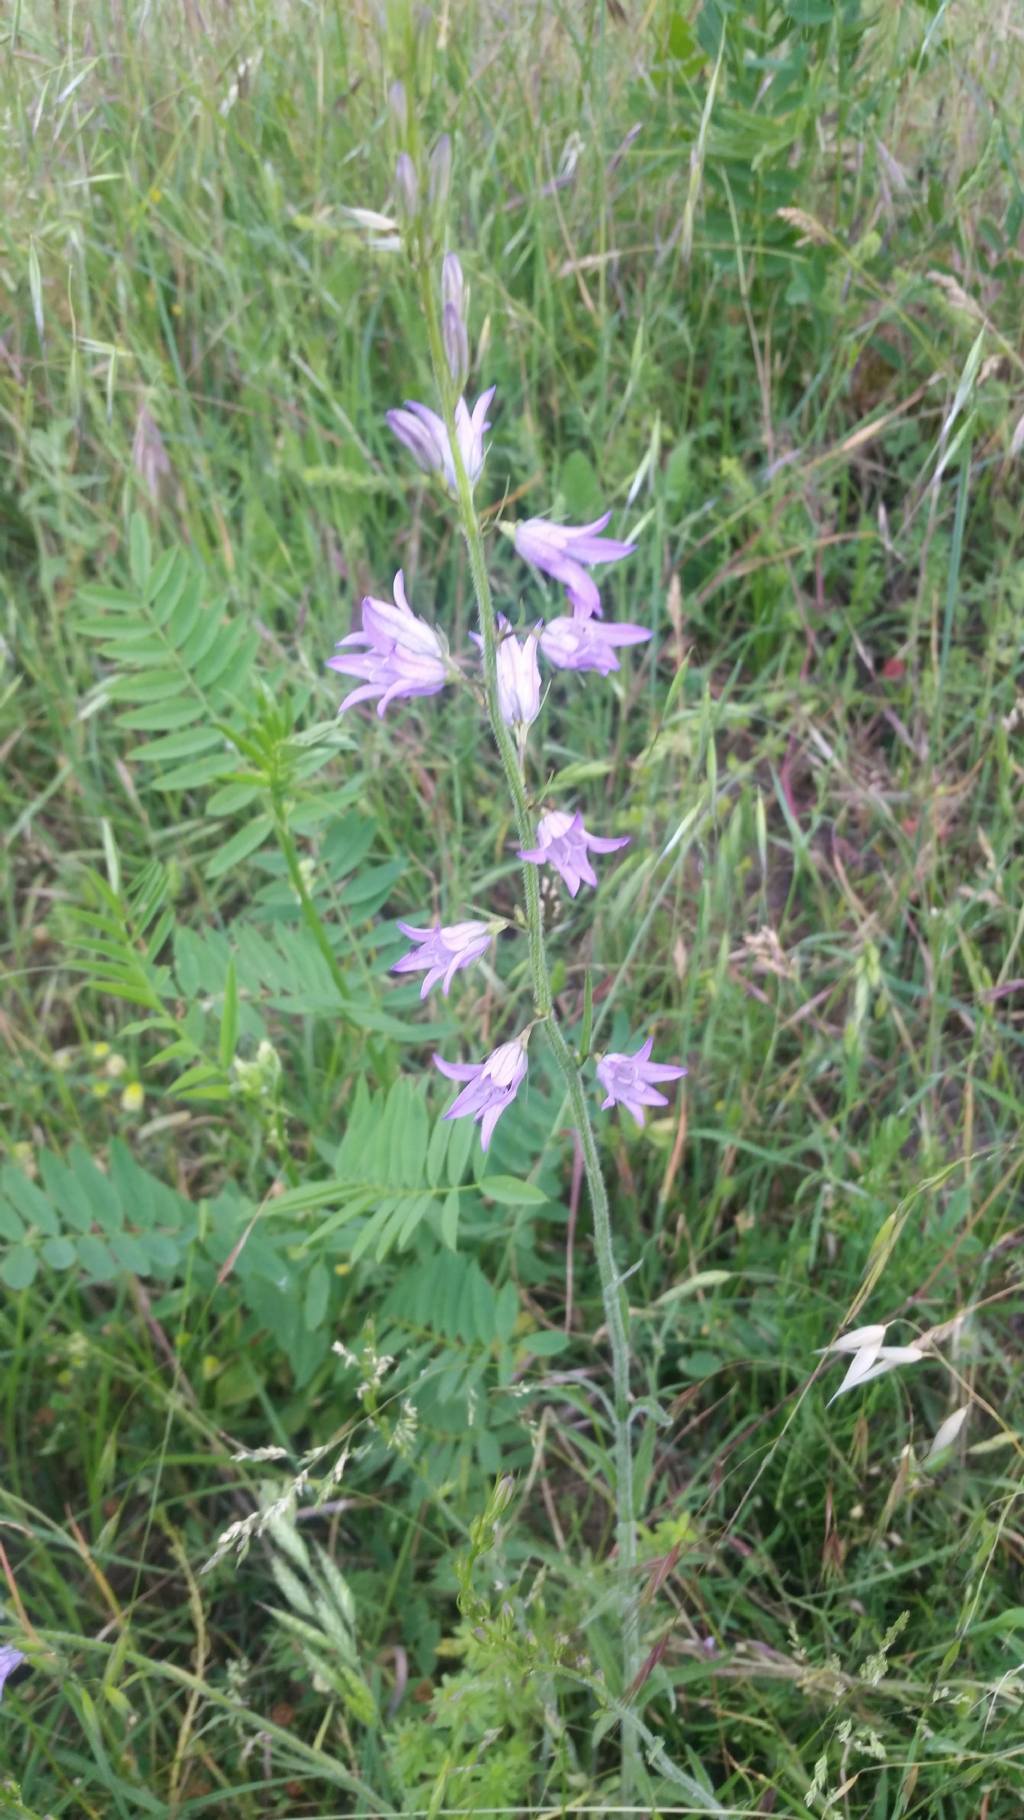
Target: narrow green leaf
pixel 544 1344
pixel 139 553
pixel 509 1192
pixel 160 718
pixel 588 1013
pixel 11 1224
pixel 437 1150
pixel 35 1207
pixel 201 1074
pixel 228 1040
pixel 459 1146
pixel 318 1286
pixel 177 745
pixel 250 836
pixel 450 1219
pixel 196 771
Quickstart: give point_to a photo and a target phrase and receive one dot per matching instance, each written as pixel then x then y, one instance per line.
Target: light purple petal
pixel 458 1071
pixel 418 935
pixel 10 1659
pixel 489 1120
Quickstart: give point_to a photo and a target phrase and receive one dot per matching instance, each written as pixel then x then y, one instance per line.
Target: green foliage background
pixel 751 275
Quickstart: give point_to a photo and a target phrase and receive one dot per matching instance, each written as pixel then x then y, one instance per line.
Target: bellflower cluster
pixel 397 656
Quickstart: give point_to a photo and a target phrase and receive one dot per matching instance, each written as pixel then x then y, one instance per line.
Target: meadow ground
pixel 750 276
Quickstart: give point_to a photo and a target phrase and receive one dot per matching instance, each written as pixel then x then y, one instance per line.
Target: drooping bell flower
pixel 588 644
pixel 567 551
pixel 629 1080
pixel 403 656
pixel 423 433
pixel 563 842
pixel 490 1088
pixel 440 952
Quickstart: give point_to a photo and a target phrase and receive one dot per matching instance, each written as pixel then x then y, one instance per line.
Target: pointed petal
pixel 458 1071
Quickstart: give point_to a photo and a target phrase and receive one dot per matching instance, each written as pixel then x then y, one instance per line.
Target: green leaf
pixel 184 744
pixel 506 1311
pixel 95 1258
pixel 131 1253
pixel 202 1076
pixel 437 1150
pixel 36 1208
pixel 96 1191
pixel 459 1146
pixel 318 1285
pixel 11 1224
pixel 251 835
pixel 59 1253
pixel 19 1267
pixel 509 1192
pixel 544 1344
pixel 450 1219
pixel 582 771
pixel 198 771
pixel 588 1012
pixel 139 552
pixel 228 1039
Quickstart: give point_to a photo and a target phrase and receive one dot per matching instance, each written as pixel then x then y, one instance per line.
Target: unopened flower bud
pixel 518 682
pixel 407 189
pixel 399 107
pixel 504 1492
pixel 453 285
pixel 456 345
pixel 439 174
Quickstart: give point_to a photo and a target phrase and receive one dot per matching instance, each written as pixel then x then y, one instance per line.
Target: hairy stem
pixel 616 1308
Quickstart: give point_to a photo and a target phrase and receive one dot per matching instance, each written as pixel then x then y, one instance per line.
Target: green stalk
pixel 311 914
pixel 616 1307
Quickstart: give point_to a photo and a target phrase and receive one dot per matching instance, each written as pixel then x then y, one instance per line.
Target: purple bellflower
pixel 567 551
pixel 10 1659
pixel 491 1086
pixel 424 434
pixel 404 657
pixel 440 952
pixel 585 644
pixel 518 682
pixel 562 842
pixel 628 1080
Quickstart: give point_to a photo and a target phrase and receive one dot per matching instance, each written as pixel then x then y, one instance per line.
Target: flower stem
pixel 616 1307
pixel 311 914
